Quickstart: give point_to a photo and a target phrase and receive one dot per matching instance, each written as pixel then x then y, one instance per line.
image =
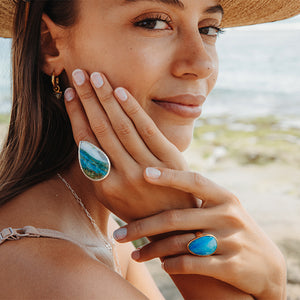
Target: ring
pixel 203 245
pixel 94 163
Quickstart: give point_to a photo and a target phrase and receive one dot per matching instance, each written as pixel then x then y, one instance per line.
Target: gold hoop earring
pixel 56 88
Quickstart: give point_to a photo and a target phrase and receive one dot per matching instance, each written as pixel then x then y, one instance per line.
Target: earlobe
pixel 51 46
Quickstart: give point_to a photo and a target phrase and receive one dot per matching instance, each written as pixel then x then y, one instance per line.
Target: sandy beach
pixel 259 161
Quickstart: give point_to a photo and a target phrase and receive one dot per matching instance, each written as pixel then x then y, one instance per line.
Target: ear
pixel 52 43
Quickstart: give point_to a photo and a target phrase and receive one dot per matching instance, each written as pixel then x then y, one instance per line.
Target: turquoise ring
pixel 203 245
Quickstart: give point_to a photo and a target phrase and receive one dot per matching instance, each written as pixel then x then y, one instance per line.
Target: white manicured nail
pixel 97 80
pixel 69 94
pixel 153 173
pixel 79 77
pixel 121 94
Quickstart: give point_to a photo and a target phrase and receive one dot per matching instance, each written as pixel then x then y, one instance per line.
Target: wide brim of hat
pixel 236 12
pixel 250 12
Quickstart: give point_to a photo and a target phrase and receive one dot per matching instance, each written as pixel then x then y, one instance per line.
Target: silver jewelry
pixel 93 222
pixel 94 163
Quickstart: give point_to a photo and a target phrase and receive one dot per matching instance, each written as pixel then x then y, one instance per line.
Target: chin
pixel 181 139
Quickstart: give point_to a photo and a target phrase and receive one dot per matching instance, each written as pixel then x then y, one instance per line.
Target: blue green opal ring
pixel 94 163
pixel 203 245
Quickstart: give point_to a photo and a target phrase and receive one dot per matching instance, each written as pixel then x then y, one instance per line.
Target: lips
pixel 186 106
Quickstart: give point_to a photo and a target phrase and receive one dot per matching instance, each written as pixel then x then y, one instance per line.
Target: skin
pixel 161 63
pixel 138 133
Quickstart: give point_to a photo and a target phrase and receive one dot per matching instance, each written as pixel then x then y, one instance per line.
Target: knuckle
pixel 124 128
pixel 170 177
pixel 134 109
pixel 149 131
pixel 100 127
pixel 233 266
pixel 184 264
pixel 176 243
pixel 235 200
pixel 105 97
pixel 199 179
pixel 72 109
pixel 134 178
pixel 86 95
pixel 236 244
pixel 82 135
pixel 138 228
pixel 233 217
pixel 231 199
pixel 173 218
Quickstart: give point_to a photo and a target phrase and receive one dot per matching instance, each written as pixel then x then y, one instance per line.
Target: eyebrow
pixel 176 3
pixel 215 9
pixel 179 4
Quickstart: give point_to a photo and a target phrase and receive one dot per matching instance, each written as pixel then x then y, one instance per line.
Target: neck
pixel 85 189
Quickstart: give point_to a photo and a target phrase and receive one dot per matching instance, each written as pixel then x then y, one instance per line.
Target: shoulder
pixel 53 269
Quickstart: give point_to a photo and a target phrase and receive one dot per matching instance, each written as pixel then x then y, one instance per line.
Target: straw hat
pixel 236 12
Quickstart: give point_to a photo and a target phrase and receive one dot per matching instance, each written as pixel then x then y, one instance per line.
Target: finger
pixel 191 182
pixel 171 246
pixel 188 264
pixel 174 245
pixel 121 124
pixel 158 144
pixel 215 266
pixel 168 221
pixel 99 123
pixel 79 122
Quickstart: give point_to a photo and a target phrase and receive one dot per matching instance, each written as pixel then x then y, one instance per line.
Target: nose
pixel 193 59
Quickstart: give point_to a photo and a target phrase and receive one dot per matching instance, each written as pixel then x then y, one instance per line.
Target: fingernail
pixel 120 92
pixel 69 94
pixel 153 173
pixel 97 80
pixel 136 255
pixel 79 77
pixel 120 234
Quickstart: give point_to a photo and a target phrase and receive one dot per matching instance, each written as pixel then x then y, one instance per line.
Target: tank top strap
pixel 97 251
pixel 11 234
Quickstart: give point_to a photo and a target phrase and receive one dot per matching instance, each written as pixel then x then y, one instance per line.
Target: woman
pixel 134 75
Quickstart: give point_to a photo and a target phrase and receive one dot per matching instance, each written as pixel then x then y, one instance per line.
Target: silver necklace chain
pixel 93 222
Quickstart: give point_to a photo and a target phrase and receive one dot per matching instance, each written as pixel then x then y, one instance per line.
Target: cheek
pixel 126 64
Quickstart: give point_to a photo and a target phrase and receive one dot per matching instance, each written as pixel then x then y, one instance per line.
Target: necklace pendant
pixel 93 162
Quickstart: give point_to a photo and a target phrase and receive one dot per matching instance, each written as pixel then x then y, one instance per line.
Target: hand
pixel 246 258
pixel 131 140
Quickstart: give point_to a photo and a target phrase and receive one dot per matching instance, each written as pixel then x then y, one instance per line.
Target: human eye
pixel 153 22
pixel 212 31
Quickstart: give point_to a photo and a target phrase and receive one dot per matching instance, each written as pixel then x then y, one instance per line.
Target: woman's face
pixel 162 51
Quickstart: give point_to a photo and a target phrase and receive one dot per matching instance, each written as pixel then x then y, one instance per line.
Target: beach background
pixel 248 138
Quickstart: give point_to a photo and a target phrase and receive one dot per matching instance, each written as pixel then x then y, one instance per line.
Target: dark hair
pixel 40 140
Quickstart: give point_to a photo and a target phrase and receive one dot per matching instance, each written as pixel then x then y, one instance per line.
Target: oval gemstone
pixel 93 162
pixel 204 245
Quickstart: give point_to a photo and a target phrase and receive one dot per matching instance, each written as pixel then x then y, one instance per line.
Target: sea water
pixel 259 72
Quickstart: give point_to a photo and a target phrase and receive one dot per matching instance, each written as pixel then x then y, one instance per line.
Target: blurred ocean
pixel 259 72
